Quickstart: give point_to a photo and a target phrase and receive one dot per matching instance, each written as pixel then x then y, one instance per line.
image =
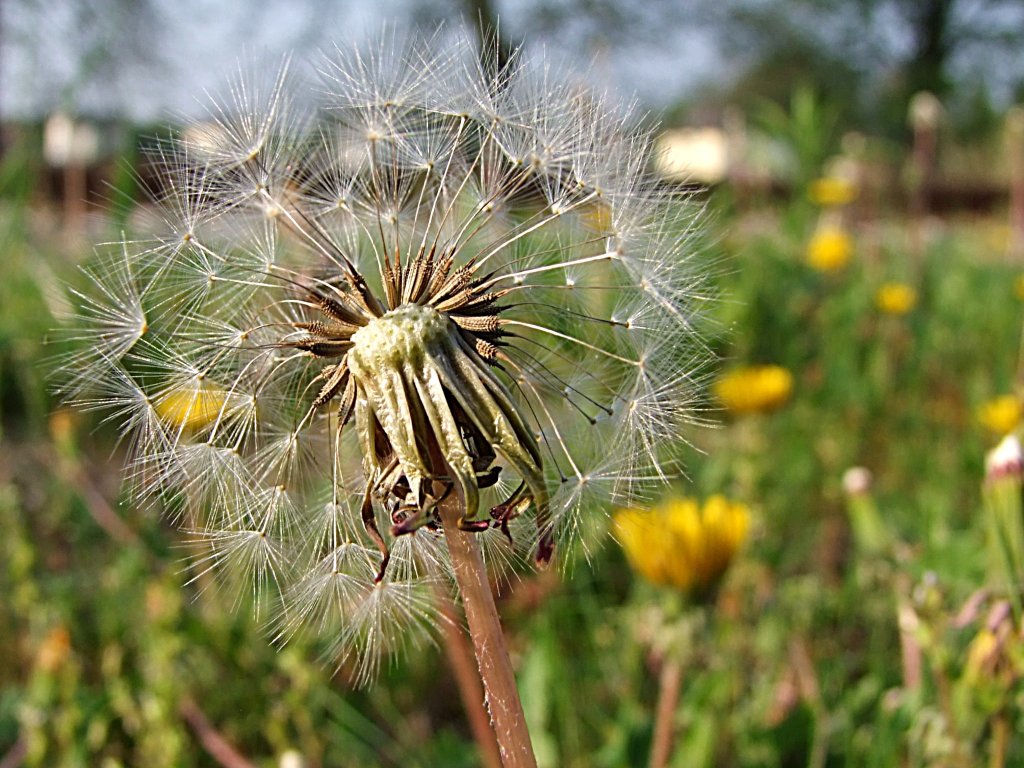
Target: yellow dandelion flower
pixel 832 191
pixel 754 389
pixel 895 298
pixel 830 249
pixel 192 408
pixel 1000 414
pixel 682 544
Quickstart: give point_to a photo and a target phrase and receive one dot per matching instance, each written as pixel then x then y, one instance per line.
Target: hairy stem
pixel 500 693
pixel 460 656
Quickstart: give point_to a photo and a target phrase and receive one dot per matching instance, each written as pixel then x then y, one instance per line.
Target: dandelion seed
pixel 435 283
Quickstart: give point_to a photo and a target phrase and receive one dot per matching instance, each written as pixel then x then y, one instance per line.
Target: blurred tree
pixel 931 24
pixel 865 57
pixel 870 56
pixel 806 127
pixel 80 54
pixel 577 26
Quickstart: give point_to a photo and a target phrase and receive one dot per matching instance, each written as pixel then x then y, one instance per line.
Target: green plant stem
pixel 945 691
pixel 910 648
pixel 1000 738
pixel 669 684
pixel 500 693
pixel 807 677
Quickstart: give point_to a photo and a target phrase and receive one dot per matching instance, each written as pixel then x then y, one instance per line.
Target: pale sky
pixel 158 65
pixel 152 60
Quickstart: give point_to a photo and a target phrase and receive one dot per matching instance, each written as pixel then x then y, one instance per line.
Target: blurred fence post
pixel 924 116
pixel 1014 132
pixel 71 145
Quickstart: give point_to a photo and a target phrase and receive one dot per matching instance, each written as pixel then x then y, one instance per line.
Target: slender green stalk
pixel 1000 741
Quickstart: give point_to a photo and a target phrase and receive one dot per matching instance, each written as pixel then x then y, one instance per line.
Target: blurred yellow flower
pixel 54 649
pixel 997 236
pixel 62 426
pixel 832 191
pixel 681 544
pixel 994 654
pixel 1018 287
pixel 192 407
pixel 982 653
pixel 597 216
pixel 830 249
pixel 754 389
pixel 895 298
pixel 1000 414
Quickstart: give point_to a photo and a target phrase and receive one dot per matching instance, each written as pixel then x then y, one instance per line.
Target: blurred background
pixel 862 165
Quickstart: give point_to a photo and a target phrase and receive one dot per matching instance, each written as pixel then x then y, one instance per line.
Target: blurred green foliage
pixel 808 129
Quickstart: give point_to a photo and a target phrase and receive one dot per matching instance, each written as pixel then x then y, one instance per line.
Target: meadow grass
pixel 105 652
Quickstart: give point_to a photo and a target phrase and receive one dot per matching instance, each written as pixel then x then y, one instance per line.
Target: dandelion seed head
pixel 418 277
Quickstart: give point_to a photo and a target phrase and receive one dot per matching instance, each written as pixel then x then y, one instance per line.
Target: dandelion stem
pixel 215 744
pixel 669 685
pixel 460 656
pixel 500 693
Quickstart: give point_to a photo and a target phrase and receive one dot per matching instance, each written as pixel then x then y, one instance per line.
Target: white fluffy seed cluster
pixel 294 216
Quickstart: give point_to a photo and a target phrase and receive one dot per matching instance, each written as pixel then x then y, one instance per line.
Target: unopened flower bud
pixel 870 531
pixel 925 111
pixel 1005 460
pixel 857 481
